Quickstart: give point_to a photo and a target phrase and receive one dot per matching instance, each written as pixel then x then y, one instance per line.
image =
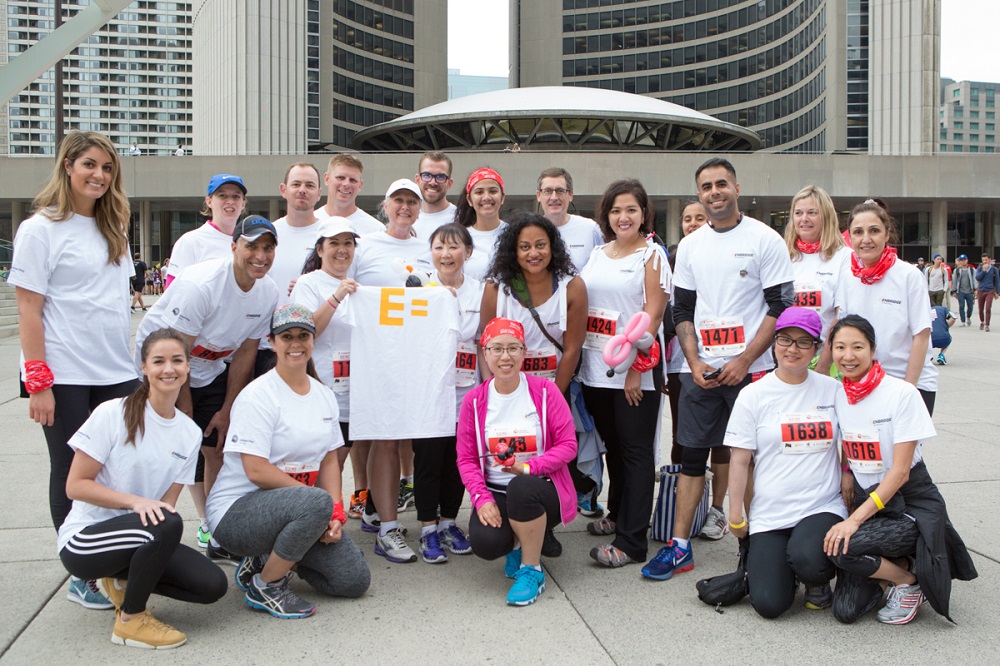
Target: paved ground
pixel 455 613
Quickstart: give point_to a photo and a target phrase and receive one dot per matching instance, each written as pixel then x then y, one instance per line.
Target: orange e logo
pixel 388 306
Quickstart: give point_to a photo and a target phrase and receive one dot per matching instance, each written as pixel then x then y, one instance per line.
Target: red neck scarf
pixel 876 272
pixel 858 391
pixel 806 248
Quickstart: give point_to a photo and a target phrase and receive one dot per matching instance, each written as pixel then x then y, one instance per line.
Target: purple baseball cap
pixel 804 318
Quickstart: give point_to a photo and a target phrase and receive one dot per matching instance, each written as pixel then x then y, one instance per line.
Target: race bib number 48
pixel 723 337
pixel 805 433
pixel 864 452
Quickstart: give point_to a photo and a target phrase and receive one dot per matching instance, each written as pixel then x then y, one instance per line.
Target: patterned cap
pixel 292 316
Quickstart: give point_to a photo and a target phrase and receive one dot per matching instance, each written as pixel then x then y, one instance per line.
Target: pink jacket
pixel 558 443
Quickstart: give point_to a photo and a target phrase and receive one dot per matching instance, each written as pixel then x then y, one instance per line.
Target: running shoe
pixel 529 583
pixel 277 599
pixel 357 507
pixel 430 549
pixel 87 594
pixel 392 546
pixel 941 359
pixel 114 590
pixel 550 545
pixel 669 560
pixel 454 539
pixel 587 504
pixel 512 563
pixel 370 522
pixel 145 631
pixel 902 605
pixel 610 556
pixel 204 535
pixel 220 555
pixel 819 597
pixel 249 567
pixel 602 527
pixel 405 495
pixel 716 525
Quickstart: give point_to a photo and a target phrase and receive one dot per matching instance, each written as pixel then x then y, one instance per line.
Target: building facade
pixel 807 75
pixel 968 116
pixel 131 80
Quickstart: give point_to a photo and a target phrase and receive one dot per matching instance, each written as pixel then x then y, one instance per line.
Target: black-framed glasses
pixel 558 191
pixel 801 343
pixel 438 177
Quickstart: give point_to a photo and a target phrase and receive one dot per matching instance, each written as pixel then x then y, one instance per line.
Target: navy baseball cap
pixel 253 227
pixel 220 179
pixel 963 256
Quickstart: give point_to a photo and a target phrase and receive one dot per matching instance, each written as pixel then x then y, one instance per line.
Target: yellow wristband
pixel 739 526
pixel 527 470
pixel 877 500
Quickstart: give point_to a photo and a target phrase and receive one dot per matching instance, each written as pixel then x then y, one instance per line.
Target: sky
pixel 477 40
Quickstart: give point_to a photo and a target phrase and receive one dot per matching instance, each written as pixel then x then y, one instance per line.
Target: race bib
pixel 207 354
pixel 519 440
pixel 864 452
pixel 465 365
pixel 341 372
pixel 808 295
pixel 723 337
pixel 541 362
pixel 303 472
pixel 602 324
pixel 805 433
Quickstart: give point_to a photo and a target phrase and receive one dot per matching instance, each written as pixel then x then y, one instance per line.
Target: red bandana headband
pixel 485 173
pixel 501 326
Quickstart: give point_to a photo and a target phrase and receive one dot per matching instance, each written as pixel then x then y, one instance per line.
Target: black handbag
pixel 727 589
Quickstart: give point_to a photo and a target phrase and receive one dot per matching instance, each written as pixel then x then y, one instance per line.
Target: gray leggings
pixel 290 521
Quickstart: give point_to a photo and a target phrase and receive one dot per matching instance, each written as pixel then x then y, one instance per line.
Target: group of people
pixel 261 371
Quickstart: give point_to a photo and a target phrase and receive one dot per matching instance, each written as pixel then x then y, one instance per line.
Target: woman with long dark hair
pixel 479 211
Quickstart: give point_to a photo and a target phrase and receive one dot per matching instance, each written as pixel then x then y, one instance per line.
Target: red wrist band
pixel 338 513
pixel 37 376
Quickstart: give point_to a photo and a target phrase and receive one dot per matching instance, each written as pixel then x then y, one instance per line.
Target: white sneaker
pixel 393 547
pixel 716 525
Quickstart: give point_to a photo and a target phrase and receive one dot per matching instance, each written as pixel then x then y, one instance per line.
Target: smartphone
pixel 711 375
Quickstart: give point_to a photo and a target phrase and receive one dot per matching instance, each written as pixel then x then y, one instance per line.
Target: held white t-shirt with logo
pixel 403 354
pixel 581 235
pixel 165 454
pixel 292 432
pixel 616 290
pixel 484 245
pixel 85 312
pixel 207 303
pixel 898 308
pixel 511 421
pixel 198 245
pixel 792 431
pixel 362 222
pixel 730 271
pixel 467 374
pixel 374 256
pixel 816 283
pixel 542 357
pixel 870 429
pixel 332 348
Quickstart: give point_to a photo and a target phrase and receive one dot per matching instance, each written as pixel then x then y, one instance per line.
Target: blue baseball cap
pixel 253 227
pixel 220 179
pixel 963 256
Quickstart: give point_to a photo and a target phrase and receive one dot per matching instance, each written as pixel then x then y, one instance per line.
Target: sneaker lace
pixel 455 533
pixel 895 597
pixel 433 541
pixel 613 554
pixel 526 578
pixel 147 620
pixel 396 539
pixel 93 588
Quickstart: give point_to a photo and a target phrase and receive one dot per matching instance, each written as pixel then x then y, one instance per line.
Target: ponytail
pixel 135 411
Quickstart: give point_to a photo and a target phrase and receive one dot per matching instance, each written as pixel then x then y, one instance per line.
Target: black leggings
pixel 527 498
pixel 777 557
pixel 150 557
pixel 436 482
pixel 74 404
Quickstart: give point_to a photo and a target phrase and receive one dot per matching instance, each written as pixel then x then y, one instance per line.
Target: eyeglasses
pixel 559 191
pixel 801 343
pixel 497 351
pixel 438 177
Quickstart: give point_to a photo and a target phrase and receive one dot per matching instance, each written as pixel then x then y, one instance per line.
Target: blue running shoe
pixel 669 560
pixel 454 539
pixel 430 549
pixel 529 583
pixel 587 504
pixel 513 563
pixel 88 594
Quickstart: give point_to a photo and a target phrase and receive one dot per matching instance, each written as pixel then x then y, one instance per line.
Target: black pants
pixel 527 498
pixel 74 403
pixel 628 433
pixel 928 398
pixel 206 402
pixel 436 482
pixel 150 557
pixel 777 557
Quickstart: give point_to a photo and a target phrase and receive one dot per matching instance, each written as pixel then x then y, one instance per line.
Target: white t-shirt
pixel 484 245
pixel 511 416
pixel 294 246
pixel 332 349
pixel 403 362
pixel 372 265
pixel 897 307
pixel 937 278
pixel 467 374
pixel 85 311
pixel 792 431
pixel 730 271
pixel 293 432
pixel 816 283
pixel 165 454
pixel 198 245
pixel 894 412
pixel 428 223
pixel 207 303
pixel 542 357
pixel 362 222
pixel 581 235
pixel 616 290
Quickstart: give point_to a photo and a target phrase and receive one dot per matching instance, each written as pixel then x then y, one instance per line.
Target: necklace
pixel 615 252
